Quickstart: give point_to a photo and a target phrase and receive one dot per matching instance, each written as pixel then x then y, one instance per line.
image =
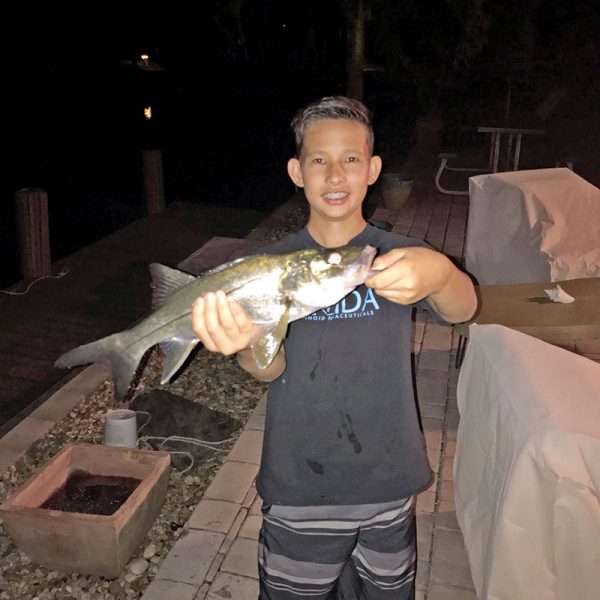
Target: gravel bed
pixel 216 382
pixel 212 380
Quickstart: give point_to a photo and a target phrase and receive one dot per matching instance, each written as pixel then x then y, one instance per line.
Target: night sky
pixel 74 122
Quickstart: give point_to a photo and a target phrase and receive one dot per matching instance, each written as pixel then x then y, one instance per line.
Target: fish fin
pixel 111 351
pixel 166 281
pixel 176 351
pixel 265 348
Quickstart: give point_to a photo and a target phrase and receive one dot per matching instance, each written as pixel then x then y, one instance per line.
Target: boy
pixel 343 455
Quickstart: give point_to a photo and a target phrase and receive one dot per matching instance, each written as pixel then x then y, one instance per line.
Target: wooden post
pixel 154 185
pixel 34 236
pixel 355 61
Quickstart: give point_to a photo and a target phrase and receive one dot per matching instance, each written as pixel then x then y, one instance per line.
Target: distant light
pixel 147 112
pixel 144 58
pixel 284 25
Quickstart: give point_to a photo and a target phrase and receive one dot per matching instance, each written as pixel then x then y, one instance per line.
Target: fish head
pixel 318 278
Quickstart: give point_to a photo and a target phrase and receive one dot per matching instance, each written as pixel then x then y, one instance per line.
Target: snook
pixel 273 289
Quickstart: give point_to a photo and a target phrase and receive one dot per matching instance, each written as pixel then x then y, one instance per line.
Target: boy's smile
pixel 335 169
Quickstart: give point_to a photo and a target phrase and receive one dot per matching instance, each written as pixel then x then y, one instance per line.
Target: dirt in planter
pixel 91 494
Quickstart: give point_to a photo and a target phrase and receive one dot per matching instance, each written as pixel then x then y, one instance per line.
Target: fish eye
pixel 335 258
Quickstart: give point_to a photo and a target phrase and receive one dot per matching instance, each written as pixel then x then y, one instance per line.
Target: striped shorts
pixel 360 552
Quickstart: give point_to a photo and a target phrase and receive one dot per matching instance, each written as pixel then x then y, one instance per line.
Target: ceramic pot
pixel 395 190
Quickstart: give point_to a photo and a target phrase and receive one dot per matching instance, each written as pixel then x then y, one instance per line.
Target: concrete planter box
pixel 87 543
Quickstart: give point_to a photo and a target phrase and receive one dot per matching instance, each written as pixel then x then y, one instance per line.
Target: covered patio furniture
pixel 538 225
pixel 527 467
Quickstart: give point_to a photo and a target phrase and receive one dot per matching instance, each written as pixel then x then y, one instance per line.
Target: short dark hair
pixel 332 107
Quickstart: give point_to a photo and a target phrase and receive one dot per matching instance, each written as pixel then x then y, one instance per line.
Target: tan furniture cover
pixel 527 468
pixel 538 225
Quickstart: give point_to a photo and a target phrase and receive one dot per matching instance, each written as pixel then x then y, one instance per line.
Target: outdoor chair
pixel 444 158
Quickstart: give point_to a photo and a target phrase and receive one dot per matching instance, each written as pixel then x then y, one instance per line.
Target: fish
pixel 274 290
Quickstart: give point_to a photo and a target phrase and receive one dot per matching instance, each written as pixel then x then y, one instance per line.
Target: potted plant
pixel 395 190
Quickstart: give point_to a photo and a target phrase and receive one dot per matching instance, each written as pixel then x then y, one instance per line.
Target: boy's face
pixel 335 168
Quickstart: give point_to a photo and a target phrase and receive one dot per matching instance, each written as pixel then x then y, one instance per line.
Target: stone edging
pixel 15 443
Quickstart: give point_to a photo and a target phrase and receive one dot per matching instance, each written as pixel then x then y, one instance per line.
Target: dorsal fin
pixel 226 265
pixel 166 281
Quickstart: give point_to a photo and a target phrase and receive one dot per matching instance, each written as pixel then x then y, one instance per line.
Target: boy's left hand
pixel 409 274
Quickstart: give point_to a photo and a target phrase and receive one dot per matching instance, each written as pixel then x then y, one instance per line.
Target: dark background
pixel 73 121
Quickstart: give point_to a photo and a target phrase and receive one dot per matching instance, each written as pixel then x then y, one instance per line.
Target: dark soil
pixel 91 494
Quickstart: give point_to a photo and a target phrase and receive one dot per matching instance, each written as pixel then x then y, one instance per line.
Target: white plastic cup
pixel 120 428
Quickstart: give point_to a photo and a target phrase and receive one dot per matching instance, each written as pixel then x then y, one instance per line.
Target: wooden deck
pixel 439 219
pixel 105 289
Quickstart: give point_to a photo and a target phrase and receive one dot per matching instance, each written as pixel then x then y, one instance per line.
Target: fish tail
pixel 115 351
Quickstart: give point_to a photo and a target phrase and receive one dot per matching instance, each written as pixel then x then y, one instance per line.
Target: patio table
pixel 510 134
pixel 526 308
pixel 497 135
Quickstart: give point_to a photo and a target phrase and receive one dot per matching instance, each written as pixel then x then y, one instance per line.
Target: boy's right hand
pixel 221 324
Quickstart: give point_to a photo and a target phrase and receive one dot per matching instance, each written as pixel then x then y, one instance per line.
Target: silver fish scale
pixel 262 299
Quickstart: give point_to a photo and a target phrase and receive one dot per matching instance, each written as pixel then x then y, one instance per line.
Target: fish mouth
pixel 360 269
pixel 367 256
